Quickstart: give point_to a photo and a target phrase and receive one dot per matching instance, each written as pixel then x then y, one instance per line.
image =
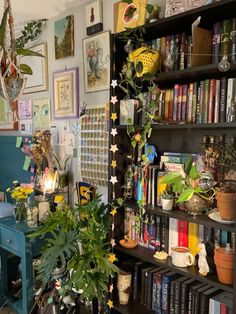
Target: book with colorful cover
pixel 173 234
pixel 190 103
pixel 175 103
pixel 205 101
pixel 216 42
pixel 217 102
pixel 179 103
pixel 184 102
pixel 193 237
pixel 211 106
pixel 223 99
pixel 183 233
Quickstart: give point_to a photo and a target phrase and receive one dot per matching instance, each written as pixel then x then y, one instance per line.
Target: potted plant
pixel 186 186
pixel 78 243
pixel 167 200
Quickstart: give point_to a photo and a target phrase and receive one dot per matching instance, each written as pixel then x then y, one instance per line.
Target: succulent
pixel 167 195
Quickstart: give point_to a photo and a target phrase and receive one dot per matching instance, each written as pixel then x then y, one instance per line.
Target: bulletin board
pixel 11 163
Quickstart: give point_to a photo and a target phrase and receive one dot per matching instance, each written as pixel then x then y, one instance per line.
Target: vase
pixel 196 205
pixel 20 210
pixel 226 203
pixel 224 260
pixel 123 286
pixel 167 204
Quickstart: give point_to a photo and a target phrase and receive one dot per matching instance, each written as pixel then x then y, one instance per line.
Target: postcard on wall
pixel 41 113
pixel 64 37
pixel 26 127
pixel 25 109
pixel 93 17
pixel 96 53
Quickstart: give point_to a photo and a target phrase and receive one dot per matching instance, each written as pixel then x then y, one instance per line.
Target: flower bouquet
pixel 20 193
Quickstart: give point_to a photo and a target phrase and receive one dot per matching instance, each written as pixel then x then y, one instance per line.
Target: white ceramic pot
pixel 167 204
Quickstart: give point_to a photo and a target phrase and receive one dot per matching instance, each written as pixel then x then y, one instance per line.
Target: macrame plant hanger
pixel 12 81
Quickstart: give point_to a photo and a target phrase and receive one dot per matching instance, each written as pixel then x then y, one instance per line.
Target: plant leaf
pixel 25 69
pixel 186 195
pixel 28 52
pixel 188 165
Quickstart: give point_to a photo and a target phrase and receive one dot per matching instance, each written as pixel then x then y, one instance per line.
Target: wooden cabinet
pixel 175 137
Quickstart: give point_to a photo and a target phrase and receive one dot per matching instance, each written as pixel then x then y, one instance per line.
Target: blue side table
pixel 13 239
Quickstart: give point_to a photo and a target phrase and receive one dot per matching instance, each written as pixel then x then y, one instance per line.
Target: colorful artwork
pixel 25 109
pixel 97 62
pixel 129 15
pixel 179 6
pixel 41 113
pixel 64 37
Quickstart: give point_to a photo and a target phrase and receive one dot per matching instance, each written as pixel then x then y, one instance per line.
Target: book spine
pixel 167 100
pixel 205 102
pixel 184 102
pixel 183 56
pixel 158 234
pixel 135 283
pixel 171 104
pixel 214 307
pixel 158 295
pixel 179 103
pixel 223 97
pixel 232 240
pixel 217 102
pixel 167 53
pixel 198 118
pixel 201 233
pixel 225 39
pixel 201 102
pixel 176 52
pixel 190 103
pixel 154 291
pixel 182 233
pixel 174 159
pixel 190 299
pixel 223 309
pixel 195 95
pixel 171 301
pixel 164 233
pixel 211 106
pixel 151 231
pixel 177 298
pixel 165 294
pixel 216 42
pixel 173 234
pixel 175 105
pixel 193 238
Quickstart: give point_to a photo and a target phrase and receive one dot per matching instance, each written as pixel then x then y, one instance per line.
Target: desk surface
pixel 11 223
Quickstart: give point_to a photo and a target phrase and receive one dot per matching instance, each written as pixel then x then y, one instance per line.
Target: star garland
pixel 113 180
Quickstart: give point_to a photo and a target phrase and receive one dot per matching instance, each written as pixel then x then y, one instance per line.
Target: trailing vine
pixel 31 32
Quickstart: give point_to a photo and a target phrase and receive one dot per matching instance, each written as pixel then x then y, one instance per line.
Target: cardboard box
pixel 179 6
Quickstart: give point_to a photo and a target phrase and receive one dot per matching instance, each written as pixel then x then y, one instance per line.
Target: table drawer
pixel 10 240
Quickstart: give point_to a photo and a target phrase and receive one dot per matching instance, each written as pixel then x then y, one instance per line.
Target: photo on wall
pixel 93 17
pixel 96 53
pixel 64 37
pixel 41 113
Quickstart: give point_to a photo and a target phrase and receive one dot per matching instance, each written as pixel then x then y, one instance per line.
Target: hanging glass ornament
pixel 224 64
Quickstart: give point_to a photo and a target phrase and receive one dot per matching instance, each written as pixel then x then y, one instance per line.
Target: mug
pixel 181 256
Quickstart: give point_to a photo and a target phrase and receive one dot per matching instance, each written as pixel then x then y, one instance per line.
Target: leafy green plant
pixel 167 195
pixel 187 184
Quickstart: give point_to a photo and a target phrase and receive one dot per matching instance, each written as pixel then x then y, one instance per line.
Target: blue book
pixel 165 292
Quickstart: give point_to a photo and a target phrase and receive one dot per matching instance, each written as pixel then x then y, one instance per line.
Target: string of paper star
pixel 113 180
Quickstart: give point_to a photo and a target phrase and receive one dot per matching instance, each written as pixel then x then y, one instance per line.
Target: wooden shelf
pixel 192 271
pixel 180 215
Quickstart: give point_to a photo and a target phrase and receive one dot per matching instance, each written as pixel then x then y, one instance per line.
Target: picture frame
pixel 64 37
pixel 66 94
pixel 96 57
pixel 38 81
pixel 8 115
pixel 93 17
pixel 41 113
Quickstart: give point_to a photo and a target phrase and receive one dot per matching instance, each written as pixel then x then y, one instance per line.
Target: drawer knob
pixel 9 241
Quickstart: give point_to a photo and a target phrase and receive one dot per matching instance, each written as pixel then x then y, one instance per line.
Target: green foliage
pixel 61 165
pixel 3 26
pixel 31 32
pixel 185 186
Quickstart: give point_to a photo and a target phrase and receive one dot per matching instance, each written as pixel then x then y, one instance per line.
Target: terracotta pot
pixel 226 203
pixel 224 264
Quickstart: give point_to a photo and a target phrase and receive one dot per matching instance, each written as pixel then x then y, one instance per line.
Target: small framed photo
pixel 38 81
pixel 66 91
pixel 93 17
pixel 8 115
pixel 96 55
pixel 64 37
pixel 41 114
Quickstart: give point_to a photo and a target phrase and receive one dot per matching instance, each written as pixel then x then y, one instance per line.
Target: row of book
pixel 161 233
pixel 176 50
pixel 166 292
pixel 206 101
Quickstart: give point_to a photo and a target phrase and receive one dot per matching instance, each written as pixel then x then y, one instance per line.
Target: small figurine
pixel 202 261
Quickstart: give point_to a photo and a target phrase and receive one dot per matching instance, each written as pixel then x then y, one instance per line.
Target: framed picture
pixel 38 81
pixel 66 91
pixel 96 53
pixel 64 37
pixel 93 17
pixel 8 115
pixel 129 15
pixel 25 109
pixel 41 113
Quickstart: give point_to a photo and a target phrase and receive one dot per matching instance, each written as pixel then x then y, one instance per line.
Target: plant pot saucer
pixel 215 215
pixel 128 243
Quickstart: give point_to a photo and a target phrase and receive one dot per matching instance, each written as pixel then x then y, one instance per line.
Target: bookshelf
pixel 176 137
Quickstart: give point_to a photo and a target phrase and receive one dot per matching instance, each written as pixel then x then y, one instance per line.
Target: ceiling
pixel 33 9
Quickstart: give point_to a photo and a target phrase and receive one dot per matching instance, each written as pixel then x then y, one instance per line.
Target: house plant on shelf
pixel 196 200
pixel 62 171
pixel 167 200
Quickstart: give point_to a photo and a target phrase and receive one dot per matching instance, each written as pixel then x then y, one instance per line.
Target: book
pixel 196 297
pixel 191 296
pixel 211 103
pixel 223 298
pixel 144 284
pixel 193 237
pixel 201 102
pixel 184 102
pixel 225 40
pixel 164 228
pixel 177 293
pixel 173 234
pixel 223 99
pixel 166 280
pixel 195 95
pixel 190 103
pixel 157 286
pixel 216 42
pixel 231 100
pixel 217 102
pixel 185 286
pixel 183 233
pixel 233 38
pixel 205 297
pixel 179 103
pixel 149 286
pixel 137 276
pixel 205 104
